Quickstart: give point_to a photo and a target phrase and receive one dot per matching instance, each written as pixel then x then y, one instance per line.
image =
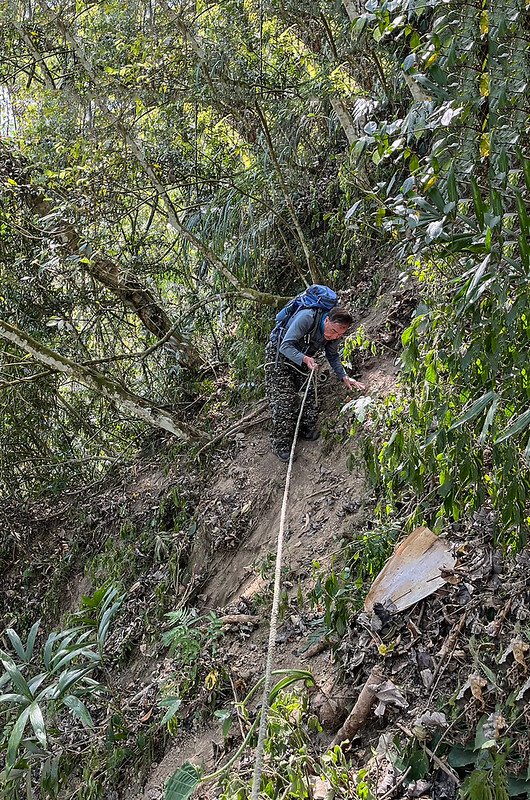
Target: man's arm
pixel 292 342
pixel 331 350
pixel 332 354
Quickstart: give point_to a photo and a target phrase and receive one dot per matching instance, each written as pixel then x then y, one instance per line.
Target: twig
pixel 447 648
pixel 236 427
pixel 323 492
pixel 438 761
pixel 396 785
pixel 236 705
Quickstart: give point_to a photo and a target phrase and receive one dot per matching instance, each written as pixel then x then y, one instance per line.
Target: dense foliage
pixel 452 184
pixel 169 173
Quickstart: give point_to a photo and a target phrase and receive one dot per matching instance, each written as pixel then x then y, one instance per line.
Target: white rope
pixel 258 766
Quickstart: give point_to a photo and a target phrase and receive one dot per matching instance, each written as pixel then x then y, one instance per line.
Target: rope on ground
pixel 258 766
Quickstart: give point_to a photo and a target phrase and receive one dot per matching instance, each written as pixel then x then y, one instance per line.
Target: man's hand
pixel 351 383
pixel 310 363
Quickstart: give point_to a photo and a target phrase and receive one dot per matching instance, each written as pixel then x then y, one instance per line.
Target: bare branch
pixel 87 376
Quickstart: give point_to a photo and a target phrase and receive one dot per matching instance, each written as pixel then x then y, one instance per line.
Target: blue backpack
pixel 318 297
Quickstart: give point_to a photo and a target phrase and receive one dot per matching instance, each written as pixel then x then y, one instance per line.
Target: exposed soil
pixel 229 560
pixel 239 516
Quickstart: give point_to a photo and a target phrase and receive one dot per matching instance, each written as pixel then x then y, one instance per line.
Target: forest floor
pixel 450 662
pixel 327 502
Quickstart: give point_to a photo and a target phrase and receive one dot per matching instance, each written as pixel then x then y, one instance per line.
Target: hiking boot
pixel 283 453
pixel 310 435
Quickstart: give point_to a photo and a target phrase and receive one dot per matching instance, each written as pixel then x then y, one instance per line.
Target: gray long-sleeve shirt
pixel 303 338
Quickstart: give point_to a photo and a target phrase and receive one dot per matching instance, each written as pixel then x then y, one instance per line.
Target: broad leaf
pixel 31 640
pixel 16 737
pixel 172 704
pixel 474 410
pixel 183 783
pixel 79 710
pixel 521 423
pixel 19 648
pixel 37 723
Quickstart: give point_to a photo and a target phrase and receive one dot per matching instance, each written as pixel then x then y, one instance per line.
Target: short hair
pixel 340 315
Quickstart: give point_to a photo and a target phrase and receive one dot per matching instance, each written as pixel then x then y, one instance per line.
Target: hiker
pixel 288 365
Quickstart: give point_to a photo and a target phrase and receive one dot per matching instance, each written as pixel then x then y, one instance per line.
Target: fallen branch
pixel 239 619
pixel 397 784
pixel 359 713
pixel 317 649
pixel 114 391
pixel 245 422
pixel 438 761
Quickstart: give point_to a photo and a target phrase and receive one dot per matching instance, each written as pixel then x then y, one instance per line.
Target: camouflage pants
pixel 283 381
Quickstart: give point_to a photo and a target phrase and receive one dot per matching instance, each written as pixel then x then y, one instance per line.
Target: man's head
pixel 336 323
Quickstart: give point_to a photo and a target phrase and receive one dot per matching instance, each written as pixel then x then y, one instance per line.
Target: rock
pixel 322 789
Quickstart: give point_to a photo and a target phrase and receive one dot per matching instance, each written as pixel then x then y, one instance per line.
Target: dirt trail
pixel 238 518
pixel 326 501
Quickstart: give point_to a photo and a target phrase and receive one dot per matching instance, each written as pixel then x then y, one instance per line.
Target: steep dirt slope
pixel 323 495
pixel 221 530
pixel 328 500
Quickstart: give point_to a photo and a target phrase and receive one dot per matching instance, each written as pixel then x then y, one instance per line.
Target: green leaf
pixel 68 679
pixel 437 198
pixel 351 211
pixel 430 374
pixel 173 704
pixel 105 623
pixel 489 419
pixel 16 737
pixel 79 710
pixel 520 424
pixel 31 640
pixel 14 698
pixel 461 757
pixel 477 201
pixel 225 717
pixel 77 652
pixel 18 647
pixel 418 763
pixel 452 188
pixel 518 786
pixel 474 410
pixel 183 783
pixel 524 248
pixel 37 723
pixel 48 648
pixel 525 162
pixel 480 737
pixel 523 215
pixel 479 273
pixel 16 677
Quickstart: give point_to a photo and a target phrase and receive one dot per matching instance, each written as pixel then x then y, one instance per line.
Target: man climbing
pixel 288 365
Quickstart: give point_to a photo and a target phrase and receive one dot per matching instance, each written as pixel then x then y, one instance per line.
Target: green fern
pixel 487 784
pixel 477 786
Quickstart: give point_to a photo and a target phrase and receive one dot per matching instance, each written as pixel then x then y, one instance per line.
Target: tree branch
pixel 316 276
pixel 112 390
pixel 138 152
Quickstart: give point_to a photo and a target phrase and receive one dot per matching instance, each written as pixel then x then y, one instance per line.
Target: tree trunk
pixel 112 390
pixel 344 117
pixel 103 269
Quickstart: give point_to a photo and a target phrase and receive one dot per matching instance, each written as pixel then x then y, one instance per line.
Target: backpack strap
pixel 282 329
